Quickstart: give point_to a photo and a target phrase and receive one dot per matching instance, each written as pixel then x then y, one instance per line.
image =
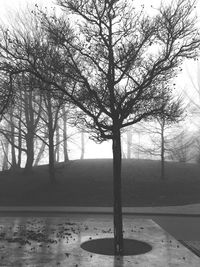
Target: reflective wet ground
pixel 55 241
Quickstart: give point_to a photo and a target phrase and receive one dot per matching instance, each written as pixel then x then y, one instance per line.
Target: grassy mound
pixel 89 183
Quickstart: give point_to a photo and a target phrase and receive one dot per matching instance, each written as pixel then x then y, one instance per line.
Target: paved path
pixel 58 241
pixel 186 210
pixel 182 222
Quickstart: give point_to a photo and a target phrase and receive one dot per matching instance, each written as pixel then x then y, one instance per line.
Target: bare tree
pixel 65 135
pixel 49 118
pixel 194 95
pixel 197 148
pixel 23 119
pixel 129 143
pixel 82 145
pixel 6 92
pixel 132 140
pixel 62 135
pixel 160 132
pixel 5 148
pixel 40 154
pixel 110 65
pixel 182 147
pixel 57 145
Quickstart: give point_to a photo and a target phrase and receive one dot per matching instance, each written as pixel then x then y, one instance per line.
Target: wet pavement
pixel 56 241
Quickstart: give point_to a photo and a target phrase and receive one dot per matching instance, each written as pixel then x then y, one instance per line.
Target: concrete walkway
pixel 62 241
pixel 185 210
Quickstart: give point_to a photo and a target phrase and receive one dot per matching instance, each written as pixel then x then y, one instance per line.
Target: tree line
pixel 34 123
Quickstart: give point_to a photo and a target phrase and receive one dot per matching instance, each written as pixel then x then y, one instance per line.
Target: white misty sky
pixel 8 6
pixel 7 12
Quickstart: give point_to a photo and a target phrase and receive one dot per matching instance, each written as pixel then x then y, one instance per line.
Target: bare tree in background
pixel 182 147
pixel 41 150
pixel 23 118
pixel 129 143
pixel 49 117
pixel 6 92
pixel 6 99
pixel 159 132
pixel 194 100
pixel 197 147
pixel 5 149
pixel 57 143
pixel 192 92
pixel 110 65
pixel 82 144
pixel 65 134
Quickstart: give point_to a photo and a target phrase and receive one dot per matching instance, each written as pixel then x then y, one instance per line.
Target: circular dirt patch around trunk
pixel 105 246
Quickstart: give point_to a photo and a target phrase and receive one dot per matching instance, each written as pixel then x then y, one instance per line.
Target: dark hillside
pixel 89 183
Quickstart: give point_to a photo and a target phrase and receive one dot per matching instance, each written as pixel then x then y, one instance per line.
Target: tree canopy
pixel 113 56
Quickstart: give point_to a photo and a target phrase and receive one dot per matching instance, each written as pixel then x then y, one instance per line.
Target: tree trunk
pixel 138 151
pixel 5 156
pixel 19 142
pixel 57 150
pixel 82 145
pixel 30 151
pixel 13 155
pixel 51 157
pixel 65 145
pixel 51 131
pixel 20 113
pixel 162 154
pixel 40 153
pixel 29 117
pixel 117 207
pixel 129 143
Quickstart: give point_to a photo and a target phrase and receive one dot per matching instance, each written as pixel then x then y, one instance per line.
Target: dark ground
pixel 89 183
